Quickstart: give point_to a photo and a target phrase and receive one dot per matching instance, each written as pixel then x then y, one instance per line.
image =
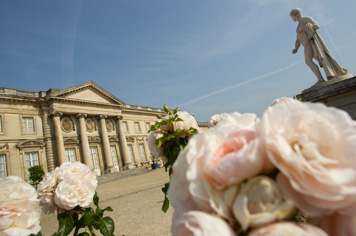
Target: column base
pixel 129 166
pixel 111 170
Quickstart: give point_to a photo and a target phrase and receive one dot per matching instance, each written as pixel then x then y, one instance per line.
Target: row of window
pixel 137 127
pixel 32 158
pixel 28 125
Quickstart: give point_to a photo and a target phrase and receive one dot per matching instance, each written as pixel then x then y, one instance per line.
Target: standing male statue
pixel 315 47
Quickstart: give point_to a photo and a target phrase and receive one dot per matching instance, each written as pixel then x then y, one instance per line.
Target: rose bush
pixel 295 164
pixel 19 208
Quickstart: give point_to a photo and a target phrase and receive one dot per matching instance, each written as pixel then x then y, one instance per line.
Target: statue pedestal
pixel 338 93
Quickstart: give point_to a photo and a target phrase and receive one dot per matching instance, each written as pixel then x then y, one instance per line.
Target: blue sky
pixel 205 57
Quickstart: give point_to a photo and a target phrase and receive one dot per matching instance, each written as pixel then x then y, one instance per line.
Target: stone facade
pixel 82 123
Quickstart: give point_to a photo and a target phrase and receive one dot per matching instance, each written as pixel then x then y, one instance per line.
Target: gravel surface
pixel 136 198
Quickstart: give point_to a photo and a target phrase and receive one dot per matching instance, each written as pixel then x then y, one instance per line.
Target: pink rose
pixel 209 165
pixel 288 229
pixel 214 120
pixel 74 192
pixel 199 223
pixel 314 148
pixel 336 224
pixel 46 192
pixel 157 152
pixel 259 202
pixel 19 208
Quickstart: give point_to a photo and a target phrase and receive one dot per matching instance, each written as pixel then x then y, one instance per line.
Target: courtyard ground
pixel 136 198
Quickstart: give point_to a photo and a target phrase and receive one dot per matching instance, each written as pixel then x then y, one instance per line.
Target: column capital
pixel 56 113
pixel 119 117
pixel 102 117
pixel 81 115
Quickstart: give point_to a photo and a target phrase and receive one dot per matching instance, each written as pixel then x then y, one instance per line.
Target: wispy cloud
pixel 240 84
pixel 68 47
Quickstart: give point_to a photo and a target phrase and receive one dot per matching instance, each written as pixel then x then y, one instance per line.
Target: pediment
pixel 88 92
pixel 30 144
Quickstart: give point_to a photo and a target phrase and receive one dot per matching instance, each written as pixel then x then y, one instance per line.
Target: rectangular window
pixel 137 127
pixel 131 153
pixel 95 158
pixel 3 171
pixel 124 124
pixel 148 126
pixel 70 155
pixel 28 125
pixel 1 124
pixel 114 156
pixel 142 152
pixel 31 159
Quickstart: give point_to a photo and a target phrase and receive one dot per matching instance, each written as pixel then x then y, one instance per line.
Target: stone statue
pixel 315 47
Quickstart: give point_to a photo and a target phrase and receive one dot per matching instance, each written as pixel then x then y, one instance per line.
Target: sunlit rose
pixel 46 192
pixel 209 165
pixel 19 208
pixel 157 152
pixel 259 203
pixel 214 120
pixel 74 192
pixel 314 148
pixel 76 170
pixel 288 229
pixel 197 223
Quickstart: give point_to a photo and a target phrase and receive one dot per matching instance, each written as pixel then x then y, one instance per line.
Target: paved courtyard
pixel 136 199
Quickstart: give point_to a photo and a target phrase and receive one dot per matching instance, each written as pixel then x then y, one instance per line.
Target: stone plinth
pixel 338 93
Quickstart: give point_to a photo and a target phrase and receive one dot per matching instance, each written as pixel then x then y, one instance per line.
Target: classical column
pixel 84 140
pixel 123 143
pixel 106 145
pixel 59 137
pixel 148 152
pixel 48 140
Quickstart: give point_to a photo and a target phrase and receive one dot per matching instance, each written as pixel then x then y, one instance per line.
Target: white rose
pixel 314 148
pixel 157 152
pixel 76 170
pixel 74 192
pixel 259 203
pixel 197 223
pixel 214 120
pixel 46 192
pixel 288 229
pixel 187 123
pixel 19 208
pixel 281 100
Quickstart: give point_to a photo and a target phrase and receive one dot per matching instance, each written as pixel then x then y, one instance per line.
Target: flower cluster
pixel 168 137
pixel 70 189
pixel 19 208
pixel 70 185
pixel 250 176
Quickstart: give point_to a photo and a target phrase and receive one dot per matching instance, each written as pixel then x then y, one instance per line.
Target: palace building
pixel 82 123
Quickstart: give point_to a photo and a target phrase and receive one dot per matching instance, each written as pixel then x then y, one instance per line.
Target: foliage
pixel 79 218
pixel 36 174
pixel 172 142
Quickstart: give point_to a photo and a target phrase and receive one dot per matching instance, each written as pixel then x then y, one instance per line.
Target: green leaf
pixel 175 110
pixel 83 234
pixel 158 116
pixel 88 218
pixel 165 204
pixel 96 199
pixel 107 226
pixel 66 224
